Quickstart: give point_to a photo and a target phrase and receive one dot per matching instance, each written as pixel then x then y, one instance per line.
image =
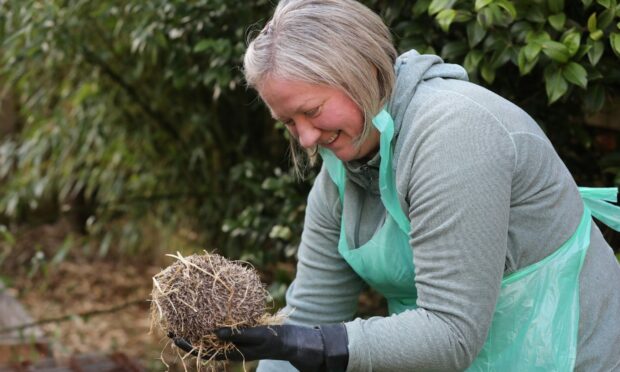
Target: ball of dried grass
pixel 200 293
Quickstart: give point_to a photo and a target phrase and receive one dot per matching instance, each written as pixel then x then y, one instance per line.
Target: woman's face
pixel 319 115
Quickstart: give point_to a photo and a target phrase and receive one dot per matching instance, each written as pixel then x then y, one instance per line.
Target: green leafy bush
pixel 557 60
pixel 138 111
pixel 574 45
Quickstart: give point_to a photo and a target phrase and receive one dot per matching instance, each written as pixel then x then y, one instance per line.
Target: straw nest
pixel 200 293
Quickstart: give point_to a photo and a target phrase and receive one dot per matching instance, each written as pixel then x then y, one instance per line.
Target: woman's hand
pixel 322 348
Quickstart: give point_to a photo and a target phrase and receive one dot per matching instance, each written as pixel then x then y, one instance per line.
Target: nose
pixel 308 135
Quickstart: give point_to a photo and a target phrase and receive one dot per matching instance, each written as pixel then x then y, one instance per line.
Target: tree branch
pixel 158 117
pixel 71 316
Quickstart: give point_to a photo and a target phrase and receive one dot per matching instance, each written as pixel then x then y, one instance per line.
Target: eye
pixel 313 112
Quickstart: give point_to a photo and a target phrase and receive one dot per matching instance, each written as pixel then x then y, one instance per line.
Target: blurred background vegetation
pixel 128 123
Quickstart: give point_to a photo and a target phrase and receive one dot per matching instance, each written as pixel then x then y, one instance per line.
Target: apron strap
pixel 335 168
pixel 385 124
pixel 599 201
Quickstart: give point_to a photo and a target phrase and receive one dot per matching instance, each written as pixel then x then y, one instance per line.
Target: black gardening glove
pixel 322 348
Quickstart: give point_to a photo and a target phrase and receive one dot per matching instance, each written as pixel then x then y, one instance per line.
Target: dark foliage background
pixel 133 120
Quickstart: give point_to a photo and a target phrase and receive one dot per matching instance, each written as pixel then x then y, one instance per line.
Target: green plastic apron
pixel 536 320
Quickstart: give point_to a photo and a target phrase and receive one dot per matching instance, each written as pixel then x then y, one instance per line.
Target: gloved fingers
pixel 181 343
pixel 248 336
pixel 184 345
pixel 232 355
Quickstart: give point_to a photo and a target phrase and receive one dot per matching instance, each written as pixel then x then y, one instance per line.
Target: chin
pixel 346 155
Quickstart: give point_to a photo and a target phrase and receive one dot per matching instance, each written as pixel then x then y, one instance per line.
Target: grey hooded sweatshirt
pixel 486 195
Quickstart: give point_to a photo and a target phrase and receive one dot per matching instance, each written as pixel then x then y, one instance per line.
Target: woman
pixel 438 193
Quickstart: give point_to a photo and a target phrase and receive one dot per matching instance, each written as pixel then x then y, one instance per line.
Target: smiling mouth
pixel 333 138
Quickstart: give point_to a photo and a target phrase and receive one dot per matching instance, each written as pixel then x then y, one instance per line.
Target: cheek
pixel 350 117
pixel 333 119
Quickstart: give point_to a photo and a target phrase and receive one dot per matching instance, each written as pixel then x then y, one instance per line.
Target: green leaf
pixel 555 85
pixel 594 98
pixel 500 56
pixel 606 18
pixel 531 50
pixel 596 51
pixel 105 244
pixel 61 253
pixel 520 30
pixel 475 33
pixel 605 3
pixel 203 45
pixel 481 4
pixel 453 50
pixel 525 65
pixel 486 18
pixel 583 50
pixel 556 51
pixel 555 6
pixel 438 5
pixel 557 21
pixel 497 14
pixel 445 19
pixel 535 15
pixel 592 23
pixel 420 7
pixel 586 3
pixel 575 74
pixel 463 16
pixel 614 40
pixel 597 35
pixel 472 60
pixel 488 73
pixel 572 40
pixel 595 75
pixel 508 7
pixel 537 36
pixel 84 92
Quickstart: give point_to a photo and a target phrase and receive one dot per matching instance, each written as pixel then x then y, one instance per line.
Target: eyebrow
pixel 299 108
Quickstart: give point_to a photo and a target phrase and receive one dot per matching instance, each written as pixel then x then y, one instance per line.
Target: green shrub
pixel 138 109
pixel 560 61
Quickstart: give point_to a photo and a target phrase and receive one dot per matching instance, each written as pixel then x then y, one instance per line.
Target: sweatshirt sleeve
pixel 325 289
pixel 459 165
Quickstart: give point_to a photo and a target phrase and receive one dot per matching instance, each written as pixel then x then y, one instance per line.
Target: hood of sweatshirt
pixel 411 69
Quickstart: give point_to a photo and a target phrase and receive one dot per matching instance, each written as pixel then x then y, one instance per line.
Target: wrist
pixel 335 341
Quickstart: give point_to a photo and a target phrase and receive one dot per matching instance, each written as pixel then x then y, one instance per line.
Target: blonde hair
pixel 340 43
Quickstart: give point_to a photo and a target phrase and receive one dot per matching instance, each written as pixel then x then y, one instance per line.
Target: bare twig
pixel 65 318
